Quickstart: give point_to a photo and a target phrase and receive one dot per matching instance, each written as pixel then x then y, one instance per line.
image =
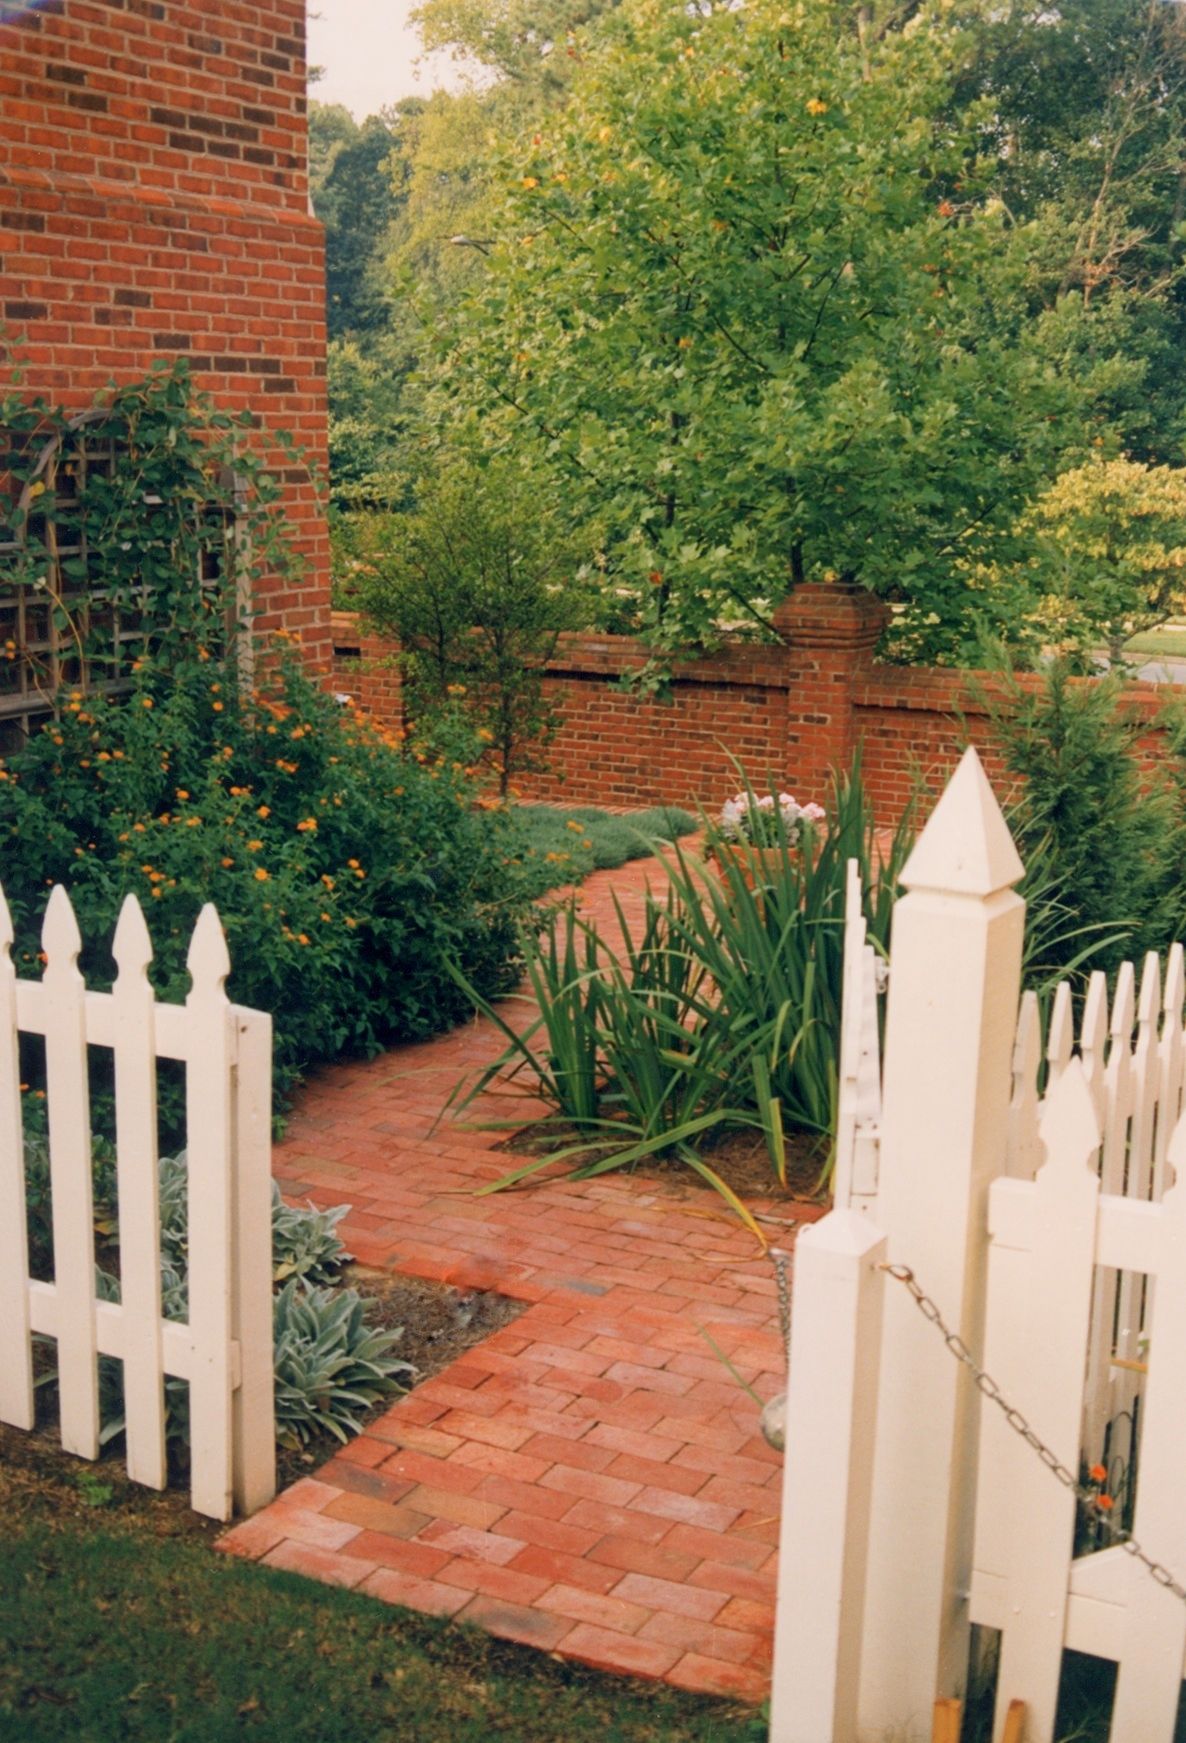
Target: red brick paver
pixel 590 1479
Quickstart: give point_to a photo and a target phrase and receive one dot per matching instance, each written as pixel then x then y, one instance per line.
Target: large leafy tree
pixel 769 314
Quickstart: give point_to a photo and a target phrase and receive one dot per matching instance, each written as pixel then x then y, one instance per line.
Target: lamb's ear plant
pixel 331 1367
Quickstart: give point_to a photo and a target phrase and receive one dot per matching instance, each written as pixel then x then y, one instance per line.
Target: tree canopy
pixel 772 291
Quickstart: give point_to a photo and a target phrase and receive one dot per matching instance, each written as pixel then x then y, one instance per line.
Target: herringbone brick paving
pixel 590 1479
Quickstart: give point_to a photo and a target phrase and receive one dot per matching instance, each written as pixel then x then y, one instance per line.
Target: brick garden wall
pixel 790 713
pixel 154 204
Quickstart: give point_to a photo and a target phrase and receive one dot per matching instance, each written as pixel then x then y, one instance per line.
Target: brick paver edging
pixel 590 1479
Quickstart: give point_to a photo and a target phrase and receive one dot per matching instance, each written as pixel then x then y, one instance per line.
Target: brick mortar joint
pixel 132 194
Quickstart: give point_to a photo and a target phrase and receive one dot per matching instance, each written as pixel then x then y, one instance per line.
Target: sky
pixel 370 54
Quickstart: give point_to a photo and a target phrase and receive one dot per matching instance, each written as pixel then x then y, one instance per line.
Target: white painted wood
pixel 1060 1040
pixel 1023 1150
pixel 852 980
pixel 1042 1375
pixel 133 1004
pixel 210 1197
pixel 70 1177
pixel 171 1023
pixel 1093 1038
pixel 253 1419
pixel 111 1327
pixel 866 1156
pixel 1007 1329
pixel 16 1350
pixel 1150 1675
pixel 1171 1053
pixel 226 1351
pixel 831 1401
pixel 949 1048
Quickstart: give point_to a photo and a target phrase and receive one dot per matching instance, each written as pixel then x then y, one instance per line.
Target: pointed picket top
pixel 1124 1005
pixel 1175 985
pixel 60 937
pixel 1027 1047
pixel 1093 1030
pixel 966 848
pixel 7 934
pixel 208 959
pixel 132 946
pixel 1060 1040
pixel 1069 1127
pixel 1149 1002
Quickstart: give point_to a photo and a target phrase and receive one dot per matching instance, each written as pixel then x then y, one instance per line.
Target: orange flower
pixel 254 846
pixel 227 864
pixel 1098 1474
pixel 261 875
pixel 1105 1502
pixel 263 810
pixel 146 701
pixel 306 824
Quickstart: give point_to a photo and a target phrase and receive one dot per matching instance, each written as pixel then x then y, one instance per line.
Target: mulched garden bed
pixel 438 1323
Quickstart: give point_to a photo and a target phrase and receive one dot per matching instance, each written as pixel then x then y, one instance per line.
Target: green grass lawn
pixel 1166 643
pixel 117 1623
pixel 562 844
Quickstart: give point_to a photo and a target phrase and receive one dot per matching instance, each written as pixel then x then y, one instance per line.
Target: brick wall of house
pixel 789 714
pixel 154 204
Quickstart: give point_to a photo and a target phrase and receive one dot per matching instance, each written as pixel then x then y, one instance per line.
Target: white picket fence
pixel 1043 1231
pixel 225 1349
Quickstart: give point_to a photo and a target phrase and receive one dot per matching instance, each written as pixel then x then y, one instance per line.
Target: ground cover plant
pixel 559 844
pixel 332 1364
pixel 114 1626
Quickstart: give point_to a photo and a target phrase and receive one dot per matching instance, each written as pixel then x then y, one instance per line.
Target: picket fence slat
pixel 138 1186
pixel 68 1097
pixel 1044 1379
pixel 209 1135
pixel 254 1407
pixel 16 1354
pixel 225 1350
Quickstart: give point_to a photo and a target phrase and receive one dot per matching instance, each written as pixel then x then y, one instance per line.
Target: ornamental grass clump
pixel 718 1011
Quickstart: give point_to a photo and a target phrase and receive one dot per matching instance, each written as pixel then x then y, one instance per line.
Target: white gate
pixel 225 1349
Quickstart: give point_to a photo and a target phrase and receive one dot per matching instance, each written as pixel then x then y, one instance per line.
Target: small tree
pixel 1111 550
pixel 477 585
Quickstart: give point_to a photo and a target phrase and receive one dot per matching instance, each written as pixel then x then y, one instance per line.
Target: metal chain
pixel 989 1388
pixel 781 1262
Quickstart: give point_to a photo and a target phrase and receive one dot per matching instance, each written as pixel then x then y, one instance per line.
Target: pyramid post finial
pixel 966 848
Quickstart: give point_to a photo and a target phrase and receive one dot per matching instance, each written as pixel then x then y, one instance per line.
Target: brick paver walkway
pixel 590 1479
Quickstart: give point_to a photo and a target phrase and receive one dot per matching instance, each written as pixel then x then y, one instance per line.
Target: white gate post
pixel 956 956
pixel 826 1486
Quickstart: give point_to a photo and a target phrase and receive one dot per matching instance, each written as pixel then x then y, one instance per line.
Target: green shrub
pixel 1102 839
pixel 346 869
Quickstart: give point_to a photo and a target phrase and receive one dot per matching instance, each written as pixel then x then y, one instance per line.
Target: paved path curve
pixel 590 1479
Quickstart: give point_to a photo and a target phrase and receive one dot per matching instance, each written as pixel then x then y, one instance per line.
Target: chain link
pixel 989 1389
pixel 781 1262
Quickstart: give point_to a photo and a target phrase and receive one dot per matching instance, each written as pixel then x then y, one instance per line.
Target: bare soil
pixel 438 1324
pixel 741 1158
